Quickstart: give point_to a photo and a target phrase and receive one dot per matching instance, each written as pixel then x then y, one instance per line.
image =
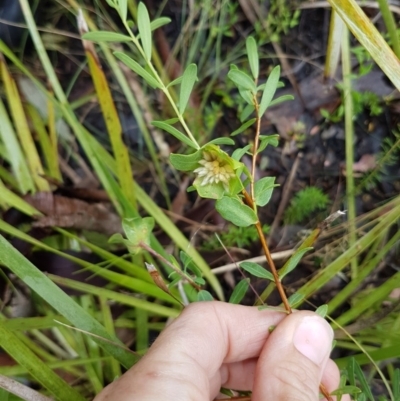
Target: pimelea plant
pixel 218 174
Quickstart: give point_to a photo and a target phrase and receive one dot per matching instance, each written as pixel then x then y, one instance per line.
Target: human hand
pixel 214 344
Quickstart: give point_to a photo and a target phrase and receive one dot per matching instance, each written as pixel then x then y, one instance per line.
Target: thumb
pixel 293 359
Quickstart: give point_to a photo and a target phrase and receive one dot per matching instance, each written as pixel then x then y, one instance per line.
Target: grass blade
pixel 13 149
pixel 61 302
pixel 105 36
pixel 112 121
pixel 36 367
pixel 23 131
pixel 363 29
pixel 334 44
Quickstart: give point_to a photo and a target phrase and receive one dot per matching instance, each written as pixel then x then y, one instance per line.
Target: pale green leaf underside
pixel 233 210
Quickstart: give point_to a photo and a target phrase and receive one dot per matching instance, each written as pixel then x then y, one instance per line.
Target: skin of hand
pixel 214 344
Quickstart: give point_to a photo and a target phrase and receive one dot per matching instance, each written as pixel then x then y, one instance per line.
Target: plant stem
pixel 390 25
pixel 267 253
pixel 163 88
pixel 349 135
pixel 161 258
pixel 255 148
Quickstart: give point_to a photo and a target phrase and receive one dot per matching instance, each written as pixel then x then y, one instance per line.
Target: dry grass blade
pixel 363 29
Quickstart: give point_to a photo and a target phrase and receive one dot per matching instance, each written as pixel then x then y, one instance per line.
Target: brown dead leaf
pixel 180 200
pixel 366 163
pixel 74 213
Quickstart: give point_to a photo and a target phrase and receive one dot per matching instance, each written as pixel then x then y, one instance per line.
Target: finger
pixel 185 361
pixel 291 364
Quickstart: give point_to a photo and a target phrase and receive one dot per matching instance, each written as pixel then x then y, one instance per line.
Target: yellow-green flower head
pixel 217 173
pixel 214 170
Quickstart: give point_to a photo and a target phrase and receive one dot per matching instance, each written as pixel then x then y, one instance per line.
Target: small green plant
pixel 240 237
pixel 364 59
pixel 218 175
pixel 280 18
pixel 368 101
pixel 304 203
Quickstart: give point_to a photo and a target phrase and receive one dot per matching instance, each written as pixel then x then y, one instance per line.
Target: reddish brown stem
pixel 255 148
pixel 264 244
pixel 248 200
pixel 167 262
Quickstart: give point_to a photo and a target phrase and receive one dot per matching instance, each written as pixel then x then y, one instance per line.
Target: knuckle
pixel 296 382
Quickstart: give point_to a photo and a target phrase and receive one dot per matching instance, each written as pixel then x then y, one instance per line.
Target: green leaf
pixel 266 140
pixel 173 131
pixel 291 264
pixel 188 263
pixel 269 90
pixel 295 299
pixel 123 9
pixel 246 112
pixel 322 310
pixel 105 36
pixel 199 281
pixel 252 54
pixel 111 3
pixel 116 238
pixel 186 162
pixel 204 295
pixel 246 95
pixel 136 67
pixel 175 82
pixel 358 373
pixel 239 153
pixel 189 77
pixel 240 291
pixel 159 22
pixel 256 270
pixel 221 141
pixel 352 390
pixel 281 99
pixel 233 210
pixel 263 190
pixel 138 230
pixel 172 121
pixel 242 80
pixel 144 30
pixel 244 126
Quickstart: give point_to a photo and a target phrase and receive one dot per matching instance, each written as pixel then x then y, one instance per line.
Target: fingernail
pixel 313 338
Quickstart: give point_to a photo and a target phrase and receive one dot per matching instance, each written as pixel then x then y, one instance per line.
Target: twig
pixel 255 148
pixel 168 263
pixel 20 390
pixel 267 253
pixel 258 259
